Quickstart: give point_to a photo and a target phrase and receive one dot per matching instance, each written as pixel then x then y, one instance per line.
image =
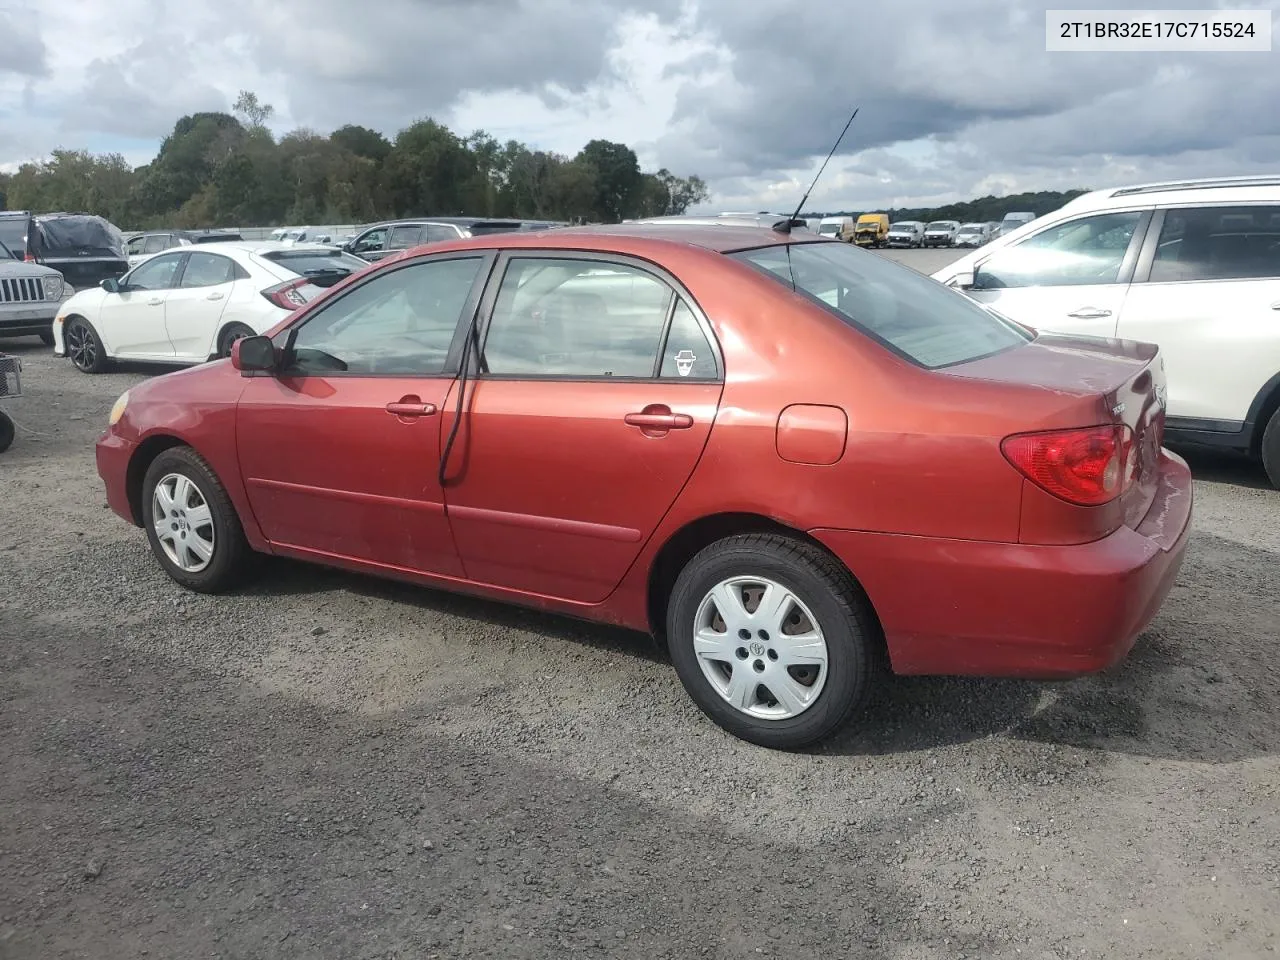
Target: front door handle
pixel 154 303
pixel 411 407
pixel 214 296
pixel 658 418
pixel 1089 313
pixel 1276 305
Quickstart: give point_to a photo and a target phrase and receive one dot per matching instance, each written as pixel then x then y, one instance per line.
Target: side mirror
pixel 111 285
pixel 253 354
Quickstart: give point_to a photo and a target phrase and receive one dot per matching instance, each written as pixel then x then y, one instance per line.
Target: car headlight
pixel 117 409
pixel 53 288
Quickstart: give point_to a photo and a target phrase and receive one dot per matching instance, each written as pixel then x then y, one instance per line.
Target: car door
pixel 404 236
pixel 339 451
pixel 193 308
pixel 1071 277
pixel 131 322
pixel 371 245
pixel 596 394
pixel 1207 290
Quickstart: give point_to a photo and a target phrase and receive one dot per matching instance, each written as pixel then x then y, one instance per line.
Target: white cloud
pixel 958 99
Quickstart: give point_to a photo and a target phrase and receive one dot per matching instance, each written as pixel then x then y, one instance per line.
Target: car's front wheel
pixel 1271 449
pixel 84 347
pixel 772 639
pixel 191 523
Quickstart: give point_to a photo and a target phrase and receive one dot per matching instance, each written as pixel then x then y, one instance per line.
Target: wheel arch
pixel 688 540
pixel 1264 406
pixel 214 348
pixel 140 461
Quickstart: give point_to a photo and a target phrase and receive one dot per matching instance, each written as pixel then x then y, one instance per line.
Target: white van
pixel 839 227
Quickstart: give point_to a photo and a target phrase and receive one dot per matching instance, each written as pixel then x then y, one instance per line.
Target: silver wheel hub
pixel 182 522
pixel 760 648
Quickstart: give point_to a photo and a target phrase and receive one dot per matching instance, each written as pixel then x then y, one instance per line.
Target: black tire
pixel 232 333
pixel 1271 449
pixel 46 337
pixel 230 551
pixel 837 605
pixel 6 432
pixel 83 346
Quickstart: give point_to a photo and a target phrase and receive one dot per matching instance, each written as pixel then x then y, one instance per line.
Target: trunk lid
pixel 1093 381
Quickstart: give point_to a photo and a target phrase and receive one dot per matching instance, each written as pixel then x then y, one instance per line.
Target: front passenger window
pixel 399 323
pixel 156 274
pixel 1089 250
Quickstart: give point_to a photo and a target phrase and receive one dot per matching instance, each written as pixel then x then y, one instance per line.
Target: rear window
pixel 314 263
pixel 911 314
pixel 13 232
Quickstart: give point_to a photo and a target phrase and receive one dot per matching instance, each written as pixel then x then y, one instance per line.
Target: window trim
pixel 177 271
pixel 1147 258
pixel 663 276
pixel 452 358
pixel 1127 263
pixel 232 277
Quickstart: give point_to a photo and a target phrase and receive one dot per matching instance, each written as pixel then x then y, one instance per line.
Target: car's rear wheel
pixel 191 523
pixel 84 347
pixel 772 639
pixel 233 332
pixel 1271 449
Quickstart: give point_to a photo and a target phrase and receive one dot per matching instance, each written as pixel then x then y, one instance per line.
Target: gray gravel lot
pixel 329 766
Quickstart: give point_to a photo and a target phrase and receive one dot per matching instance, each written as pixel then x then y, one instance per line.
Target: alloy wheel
pixel 80 346
pixel 760 648
pixel 183 522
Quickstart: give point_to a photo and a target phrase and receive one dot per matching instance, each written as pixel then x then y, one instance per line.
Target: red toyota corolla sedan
pixel 793 459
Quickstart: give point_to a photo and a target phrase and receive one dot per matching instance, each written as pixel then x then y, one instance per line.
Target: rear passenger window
pixel 1218 243
pixel 402 238
pixel 688 353
pixel 576 318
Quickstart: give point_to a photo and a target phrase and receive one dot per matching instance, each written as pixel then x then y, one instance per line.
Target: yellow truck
pixel 871 230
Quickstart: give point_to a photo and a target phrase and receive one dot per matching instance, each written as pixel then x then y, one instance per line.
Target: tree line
pixel 980 210
pixel 227 169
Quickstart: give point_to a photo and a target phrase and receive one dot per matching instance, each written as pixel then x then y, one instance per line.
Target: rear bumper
pixel 1020 610
pixel 113 454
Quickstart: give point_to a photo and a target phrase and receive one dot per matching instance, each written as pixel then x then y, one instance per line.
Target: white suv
pixel 1193 266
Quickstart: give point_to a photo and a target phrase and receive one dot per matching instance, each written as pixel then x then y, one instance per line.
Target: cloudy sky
pixel 958 97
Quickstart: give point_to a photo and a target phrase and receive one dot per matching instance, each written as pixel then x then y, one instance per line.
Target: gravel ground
pixel 330 766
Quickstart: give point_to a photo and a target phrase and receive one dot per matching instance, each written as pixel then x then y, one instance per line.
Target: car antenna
pixel 786 225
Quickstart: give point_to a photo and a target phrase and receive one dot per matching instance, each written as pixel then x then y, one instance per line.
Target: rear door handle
pixel 154 303
pixel 411 408
pixel 1276 305
pixel 659 421
pixel 1089 313
pixel 214 296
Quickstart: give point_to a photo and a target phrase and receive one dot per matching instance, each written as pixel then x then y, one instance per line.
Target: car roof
pixel 637 239
pixel 266 246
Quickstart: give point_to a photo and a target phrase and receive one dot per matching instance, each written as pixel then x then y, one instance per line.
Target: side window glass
pixel 400 323
pixel 1085 251
pixel 1218 243
pixel 156 243
pixel 576 318
pixel 373 240
pixel 402 238
pixel 688 353
pixel 155 274
pixel 135 245
pixel 435 232
pixel 206 270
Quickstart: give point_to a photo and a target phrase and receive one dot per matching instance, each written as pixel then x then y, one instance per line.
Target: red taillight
pixel 1087 466
pixel 288 295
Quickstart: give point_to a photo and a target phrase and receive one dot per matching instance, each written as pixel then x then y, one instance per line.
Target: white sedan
pixel 189 305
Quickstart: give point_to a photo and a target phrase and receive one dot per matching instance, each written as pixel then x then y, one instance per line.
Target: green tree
pixel 362 142
pixel 615 173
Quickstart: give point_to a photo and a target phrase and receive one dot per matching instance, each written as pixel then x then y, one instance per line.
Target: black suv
pixel 392 236
pixel 84 248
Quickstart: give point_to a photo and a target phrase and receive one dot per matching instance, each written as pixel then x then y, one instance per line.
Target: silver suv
pixel 30 295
